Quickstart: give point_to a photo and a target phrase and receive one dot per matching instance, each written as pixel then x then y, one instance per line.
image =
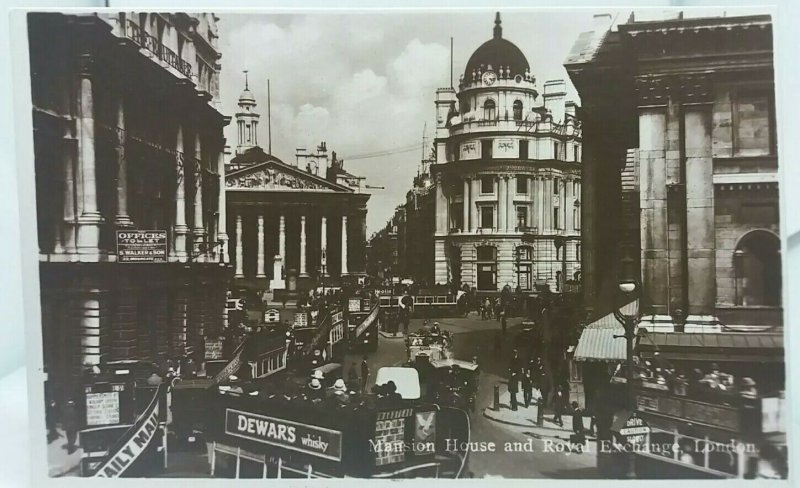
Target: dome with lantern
pixel 497 54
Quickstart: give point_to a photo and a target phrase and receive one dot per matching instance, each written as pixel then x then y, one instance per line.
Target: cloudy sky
pixel 365 82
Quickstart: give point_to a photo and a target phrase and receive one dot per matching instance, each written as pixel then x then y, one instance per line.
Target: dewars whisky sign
pixel 142 246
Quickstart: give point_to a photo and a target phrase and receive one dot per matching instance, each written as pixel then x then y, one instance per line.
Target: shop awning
pixel 748 347
pixel 597 342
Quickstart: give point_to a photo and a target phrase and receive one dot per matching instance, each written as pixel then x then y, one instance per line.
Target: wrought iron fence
pixel 137 34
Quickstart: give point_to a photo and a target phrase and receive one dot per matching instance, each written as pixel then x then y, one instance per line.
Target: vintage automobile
pixel 433 345
pixel 454 383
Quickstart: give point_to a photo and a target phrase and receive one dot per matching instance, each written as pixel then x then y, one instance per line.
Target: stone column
pixel 303 246
pixel 653 204
pixel 222 224
pixel 70 246
pixel 122 219
pixel 442 209
pixel 465 224
pixel 568 205
pixel 180 228
pixel 89 220
pixel 474 192
pixel 344 245
pixel 700 210
pixel 282 238
pixel 540 199
pixel 90 327
pixel 260 258
pixel 323 245
pixel 198 231
pixel 239 250
pixel 502 190
pixel 511 210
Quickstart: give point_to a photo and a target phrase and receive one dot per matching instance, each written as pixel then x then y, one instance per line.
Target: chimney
pixel 554 93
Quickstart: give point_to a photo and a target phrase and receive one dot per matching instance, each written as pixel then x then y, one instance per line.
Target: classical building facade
pixel 127 137
pixel 291 225
pixel 695 152
pixel 507 176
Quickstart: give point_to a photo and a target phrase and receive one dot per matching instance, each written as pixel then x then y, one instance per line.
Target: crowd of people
pixel 712 384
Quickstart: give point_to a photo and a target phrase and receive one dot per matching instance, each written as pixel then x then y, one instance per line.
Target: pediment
pixel 273 176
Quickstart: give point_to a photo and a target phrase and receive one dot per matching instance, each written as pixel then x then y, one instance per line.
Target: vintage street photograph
pixel 408 244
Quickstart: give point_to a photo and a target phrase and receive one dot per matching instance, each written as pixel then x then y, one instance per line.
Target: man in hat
pixel 317 375
pixel 339 391
pixel 435 329
pixel 315 392
pixel 513 388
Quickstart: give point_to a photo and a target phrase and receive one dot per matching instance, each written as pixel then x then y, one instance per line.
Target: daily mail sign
pixel 308 439
pixel 142 246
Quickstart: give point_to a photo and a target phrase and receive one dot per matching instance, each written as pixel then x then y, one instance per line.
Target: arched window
pixel 757 269
pixel 489 110
pixel 487 268
pixel 517 110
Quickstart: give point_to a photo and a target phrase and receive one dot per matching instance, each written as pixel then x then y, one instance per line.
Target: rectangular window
pixel 487 185
pixel 752 119
pixel 576 156
pixel 487 217
pixel 556 185
pixel 522 217
pixel 523 149
pixel 457 214
pixel 556 152
pixel 577 252
pixel 556 223
pixel 522 185
pixel 486 149
pixel 576 218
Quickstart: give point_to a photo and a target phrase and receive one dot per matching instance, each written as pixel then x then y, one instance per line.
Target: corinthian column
pixel 180 229
pixel 222 230
pixel 324 243
pixel 344 245
pixel 502 189
pixel 303 246
pixel 90 219
pixel 466 204
pixel 260 258
pixel 198 231
pixel 122 219
pixel 239 250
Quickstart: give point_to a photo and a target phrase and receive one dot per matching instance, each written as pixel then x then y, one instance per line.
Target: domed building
pixel 508 176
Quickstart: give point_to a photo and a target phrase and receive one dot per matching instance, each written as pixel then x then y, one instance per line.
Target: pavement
pixel 526 417
pixel 60 462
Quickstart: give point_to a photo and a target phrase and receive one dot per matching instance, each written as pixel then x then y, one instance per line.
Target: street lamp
pixel 630 289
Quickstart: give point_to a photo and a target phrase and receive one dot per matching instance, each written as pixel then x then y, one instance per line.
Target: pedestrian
pixel 527 388
pixel 70 425
pixel 516 363
pixel 577 419
pixel 513 388
pixel 503 322
pixel 50 420
pixel 364 373
pixel 559 405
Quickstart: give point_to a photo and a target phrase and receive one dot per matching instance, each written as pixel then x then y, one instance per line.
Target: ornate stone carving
pixel 656 90
pixel 269 179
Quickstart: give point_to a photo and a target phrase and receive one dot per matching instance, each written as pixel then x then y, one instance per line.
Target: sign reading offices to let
pixel 102 408
pixel 142 246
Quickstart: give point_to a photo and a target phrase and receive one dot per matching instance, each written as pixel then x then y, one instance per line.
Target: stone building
pixel 291 225
pixel 695 150
pixel 681 173
pixel 507 176
pixel 127 136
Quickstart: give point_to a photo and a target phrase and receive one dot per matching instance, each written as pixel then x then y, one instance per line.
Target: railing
pixel 137 34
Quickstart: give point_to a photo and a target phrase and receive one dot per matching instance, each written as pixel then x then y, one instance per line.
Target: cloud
pixel 366 82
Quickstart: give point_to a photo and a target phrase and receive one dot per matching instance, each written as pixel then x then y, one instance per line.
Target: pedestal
pixel 277 282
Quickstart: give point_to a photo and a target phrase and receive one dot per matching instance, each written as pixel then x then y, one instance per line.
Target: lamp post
pixel 630 289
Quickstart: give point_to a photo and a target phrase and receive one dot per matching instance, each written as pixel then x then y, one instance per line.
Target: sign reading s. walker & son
pixel 142 246
pixel 309 439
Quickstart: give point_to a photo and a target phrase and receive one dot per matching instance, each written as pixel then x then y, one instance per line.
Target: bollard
pixel 540 413
pixel 496 406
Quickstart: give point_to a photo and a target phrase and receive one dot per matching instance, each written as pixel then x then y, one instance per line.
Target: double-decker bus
pixel 276 431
